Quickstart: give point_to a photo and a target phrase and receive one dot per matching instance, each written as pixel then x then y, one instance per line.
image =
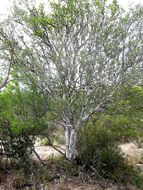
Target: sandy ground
pixel 131 151
pixel 46 152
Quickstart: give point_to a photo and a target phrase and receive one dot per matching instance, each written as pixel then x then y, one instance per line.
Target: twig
pixel 38 156
pixel 6 80
pixel 55 147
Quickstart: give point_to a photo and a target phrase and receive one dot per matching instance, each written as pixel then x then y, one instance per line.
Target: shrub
pixel 21 119
pixel 16 146
pixel 97 148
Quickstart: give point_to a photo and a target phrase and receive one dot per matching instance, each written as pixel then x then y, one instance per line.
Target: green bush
pixel 17 147
pixel 97 148
pixel 21 119
pixel 124 115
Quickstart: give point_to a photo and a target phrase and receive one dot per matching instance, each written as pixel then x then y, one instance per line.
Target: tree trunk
pixel 70 137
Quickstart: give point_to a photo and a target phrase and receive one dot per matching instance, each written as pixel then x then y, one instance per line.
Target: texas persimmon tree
pixel 77 54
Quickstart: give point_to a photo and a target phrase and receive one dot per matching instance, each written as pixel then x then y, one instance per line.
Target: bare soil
pixel 133 154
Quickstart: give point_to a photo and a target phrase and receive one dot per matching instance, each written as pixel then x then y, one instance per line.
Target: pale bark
pixel 71 138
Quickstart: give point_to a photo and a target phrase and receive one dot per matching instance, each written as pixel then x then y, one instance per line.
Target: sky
pixel 5 5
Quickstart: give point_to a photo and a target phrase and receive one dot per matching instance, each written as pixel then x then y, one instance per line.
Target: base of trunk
pixel 70 135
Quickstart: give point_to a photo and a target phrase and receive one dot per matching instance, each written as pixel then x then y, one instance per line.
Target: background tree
pixel 8 47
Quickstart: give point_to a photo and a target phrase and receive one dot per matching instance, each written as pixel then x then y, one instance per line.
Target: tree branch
pixel 6 80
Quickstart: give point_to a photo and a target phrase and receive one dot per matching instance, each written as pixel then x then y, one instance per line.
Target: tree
pixel 77 56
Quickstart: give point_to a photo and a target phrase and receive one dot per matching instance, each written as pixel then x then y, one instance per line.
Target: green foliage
pixel 125 115
pixel 22 117
pixel 21 107
pixel 121 126
pixel 97 148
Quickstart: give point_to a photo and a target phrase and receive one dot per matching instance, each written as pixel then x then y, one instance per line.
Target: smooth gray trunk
pixel 70 137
